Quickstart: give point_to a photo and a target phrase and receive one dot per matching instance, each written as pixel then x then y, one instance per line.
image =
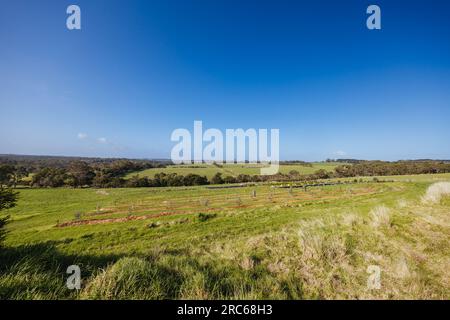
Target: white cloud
pixel 340 153
pixel 82 135
pixel 101 140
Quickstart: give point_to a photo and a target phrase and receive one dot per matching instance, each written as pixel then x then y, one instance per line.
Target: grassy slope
pixel 314 244
pixel 230 169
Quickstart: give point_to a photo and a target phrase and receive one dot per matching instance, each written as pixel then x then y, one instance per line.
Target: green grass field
pixel 252 242
pixel 233 170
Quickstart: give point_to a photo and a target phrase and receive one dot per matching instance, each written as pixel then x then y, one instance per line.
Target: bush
pixel 217 179
pixel 8 199
pixel 3 222
pixel 229 179
pixel 202 217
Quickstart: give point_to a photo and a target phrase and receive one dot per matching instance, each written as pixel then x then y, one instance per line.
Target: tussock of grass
pixel 128 278
pixel 402 203
pixel 28 280
pixel 436 191
pixel 182 277
pixel 350 219
pixel 380 216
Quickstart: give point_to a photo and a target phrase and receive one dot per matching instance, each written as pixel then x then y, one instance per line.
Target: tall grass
pixel 380 216
pixel 436 191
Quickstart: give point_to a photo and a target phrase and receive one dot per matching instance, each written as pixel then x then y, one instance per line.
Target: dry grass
pixel 380 216
pixel 329 257
pixel 350 219
pixel 436 191
pixel 402 203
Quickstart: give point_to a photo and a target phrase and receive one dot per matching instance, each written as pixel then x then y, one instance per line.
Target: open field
pixel 249 242
pixel 233 170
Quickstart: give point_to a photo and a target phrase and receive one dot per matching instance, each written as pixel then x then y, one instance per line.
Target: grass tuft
pixel 380 216
pixel 436 191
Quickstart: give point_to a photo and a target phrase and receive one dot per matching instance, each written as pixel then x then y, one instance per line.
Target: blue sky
pixel 140 69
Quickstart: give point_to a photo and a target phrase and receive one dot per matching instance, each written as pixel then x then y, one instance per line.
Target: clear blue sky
pixel 139 69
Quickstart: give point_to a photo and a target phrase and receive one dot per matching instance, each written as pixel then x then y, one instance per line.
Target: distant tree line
pixel 76 173
pixel 35 163
pixel 167 180
pixel 80 173
pixel 345 160
pixel 11 175
pixel 297 162
pixel 383 168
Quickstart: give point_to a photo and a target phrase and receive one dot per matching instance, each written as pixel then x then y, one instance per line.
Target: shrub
pixel 202 217
pixel 8 199
pixel 3 222
pixel 217 179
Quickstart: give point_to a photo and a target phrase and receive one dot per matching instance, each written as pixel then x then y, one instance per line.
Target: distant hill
pixel 63 161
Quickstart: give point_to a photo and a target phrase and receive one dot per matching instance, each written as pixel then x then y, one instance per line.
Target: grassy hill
pixel 234 170
pixel 249 242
